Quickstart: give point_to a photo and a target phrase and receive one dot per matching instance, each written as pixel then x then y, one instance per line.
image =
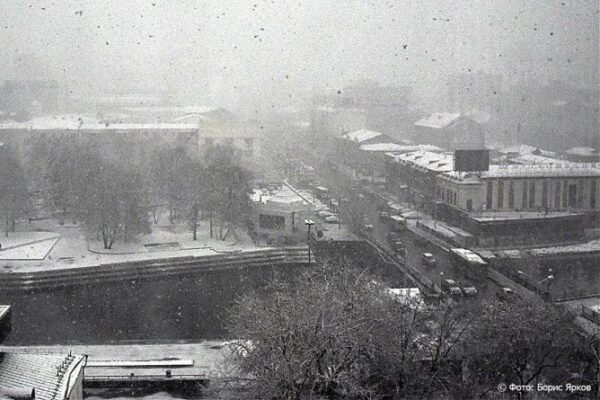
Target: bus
pixel 470 263
pixel 322 193
pixel 397 223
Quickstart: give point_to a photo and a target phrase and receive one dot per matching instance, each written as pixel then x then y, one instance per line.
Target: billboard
pixel 472 160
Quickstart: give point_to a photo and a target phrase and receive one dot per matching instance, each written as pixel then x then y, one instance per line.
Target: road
pixel 339 179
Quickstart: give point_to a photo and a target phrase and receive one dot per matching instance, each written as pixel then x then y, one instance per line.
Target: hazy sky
pixel 209 48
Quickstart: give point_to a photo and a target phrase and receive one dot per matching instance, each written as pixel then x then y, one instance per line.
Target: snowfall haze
pixel 224 53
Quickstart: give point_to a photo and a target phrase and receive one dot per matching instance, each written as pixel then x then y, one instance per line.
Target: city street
pixel 339 181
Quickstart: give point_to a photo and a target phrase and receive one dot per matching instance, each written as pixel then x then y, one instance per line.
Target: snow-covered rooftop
pixel 436 162
pixel 88 123
pixel 398 148
pixel 438 120
pixel 592 246
pixel 582 151
pixel 284 194
pixel 530 158
pixel 361 135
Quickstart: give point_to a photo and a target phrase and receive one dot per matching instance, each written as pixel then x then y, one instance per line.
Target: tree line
pixel 115 200
pixel 335 333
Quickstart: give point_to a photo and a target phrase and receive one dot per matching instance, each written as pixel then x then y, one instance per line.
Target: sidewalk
pixel 412 226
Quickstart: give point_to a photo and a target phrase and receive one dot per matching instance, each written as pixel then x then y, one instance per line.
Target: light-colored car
pixel 333 219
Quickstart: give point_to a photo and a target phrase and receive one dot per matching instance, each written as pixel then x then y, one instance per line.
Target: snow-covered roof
pixel 436 162
pixel 175 109
pixel 582 151
pixel 88 123
pixel 284 194
pixel 438 120
pixel 21 370
pixel 566 170
pixel 530 158
pixel 398 148
pixel 517 148
pixel 592 246
pixel 361 135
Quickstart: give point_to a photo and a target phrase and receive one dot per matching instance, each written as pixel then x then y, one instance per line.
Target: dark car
pixel 400 251
pixel 392 237
pixel 428 259
pixel 384 216
pixel 506 294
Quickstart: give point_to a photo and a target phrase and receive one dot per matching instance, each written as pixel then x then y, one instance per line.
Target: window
pixel 564 194
pixel 488 199
pixel 557 194
pixel 448 196
pixel 545 194
pixel 593 194
pixel 272 222
pixel 469 205
pixel 580 188
pixel 454 196
pixel 524 199
pixel 511 195
pixel 500 194
pixel 532 194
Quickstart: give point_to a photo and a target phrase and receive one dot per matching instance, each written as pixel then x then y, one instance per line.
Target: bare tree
pixel 14 195
pixel 337 333
pixel 518 343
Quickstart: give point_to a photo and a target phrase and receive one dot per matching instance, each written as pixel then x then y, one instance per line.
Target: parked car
pixel 333 219
pixel 325 213
pixel 469 290
pixel 368 227
pixel 506 294
pixel 428 259
pixel 400 251
pixel 334 203
pixel 396 244
pixel 384 216
pixel 455 292
pixel 392 236
pixel 448 284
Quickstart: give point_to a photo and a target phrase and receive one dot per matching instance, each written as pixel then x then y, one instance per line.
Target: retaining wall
pixel 148 269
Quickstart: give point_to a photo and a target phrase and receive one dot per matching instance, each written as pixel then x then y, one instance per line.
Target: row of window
pixel 565 194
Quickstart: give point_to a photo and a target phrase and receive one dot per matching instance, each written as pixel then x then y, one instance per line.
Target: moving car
pixel 451 288
pixel 428 259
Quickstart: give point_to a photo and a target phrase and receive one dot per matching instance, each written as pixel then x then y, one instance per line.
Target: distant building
pixel 450 131
pixel 21 98
pixel 222 128
pixel 417 171
pixel 582 154
pixel 335 122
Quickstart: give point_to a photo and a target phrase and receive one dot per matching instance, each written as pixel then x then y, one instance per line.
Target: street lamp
pixel 309 223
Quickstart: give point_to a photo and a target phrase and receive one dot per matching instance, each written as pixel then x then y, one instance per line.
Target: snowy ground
pixel 62 246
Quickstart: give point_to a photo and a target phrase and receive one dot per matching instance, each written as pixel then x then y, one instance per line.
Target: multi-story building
pixel 449 130
pixel 527 204
pixel 417 171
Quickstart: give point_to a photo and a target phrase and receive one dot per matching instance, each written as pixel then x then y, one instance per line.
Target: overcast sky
pixel 210 48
